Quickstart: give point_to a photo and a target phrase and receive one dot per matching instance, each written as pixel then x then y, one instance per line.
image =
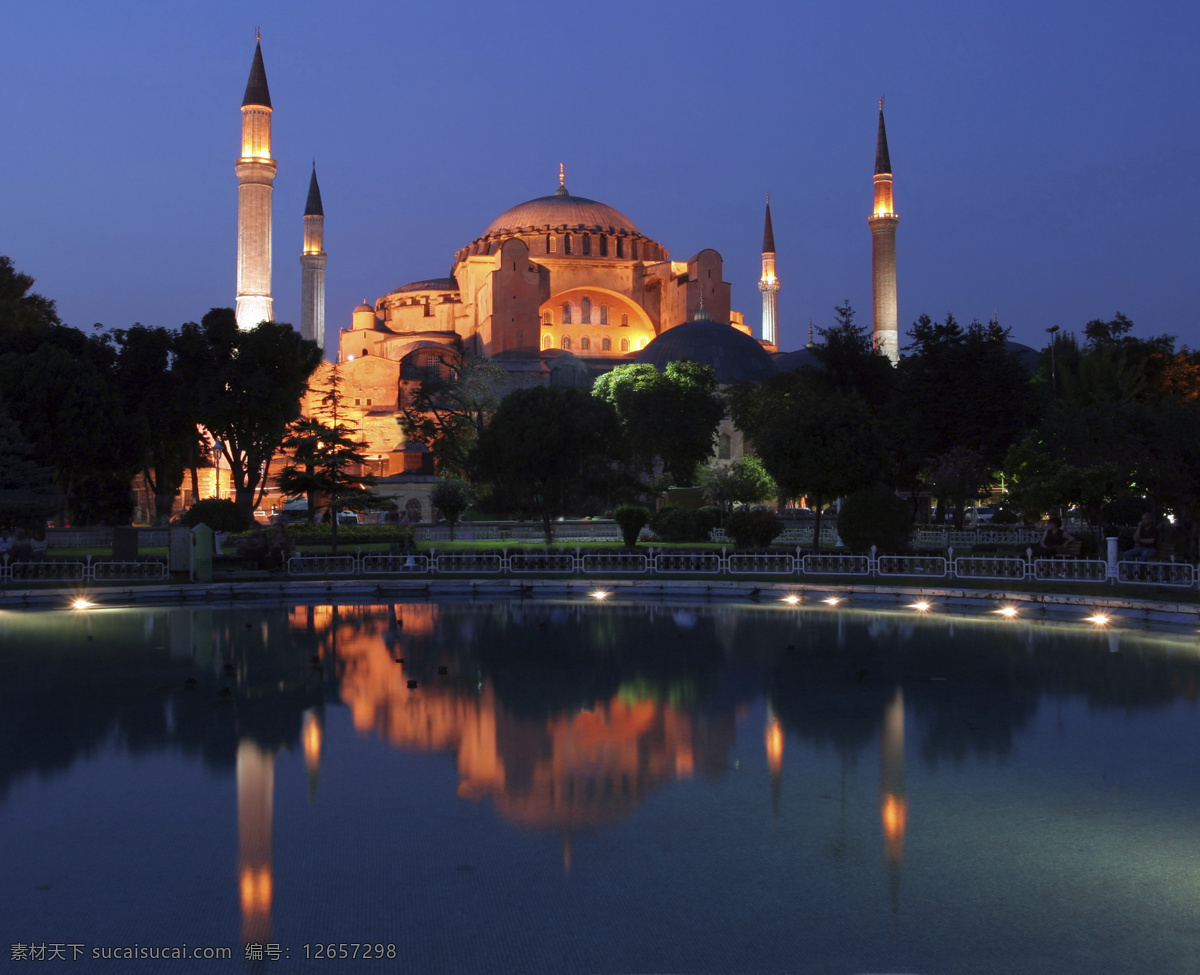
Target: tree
pixel 547 448
pixel 823 445
pixel 958 389
pixel 325 457
pixel 850 361
pixel 154 399
pixel 745 481
pixel 246 387
pixel 27 492
pixel 668 418
pixel 447 413
pixel 450 497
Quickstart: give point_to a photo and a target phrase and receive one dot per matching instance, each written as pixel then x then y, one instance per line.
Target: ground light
pixel 921 607
pixel 82 603
pixel 831 600
pixel 792 599
pixel 1098 618
pixel 1008 612
pixel 599 594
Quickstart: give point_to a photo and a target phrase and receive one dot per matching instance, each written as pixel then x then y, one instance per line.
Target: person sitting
pixel 1053 542
pixel 1145 541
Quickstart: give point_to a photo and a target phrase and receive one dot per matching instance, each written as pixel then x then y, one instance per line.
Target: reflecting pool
pixel 554 787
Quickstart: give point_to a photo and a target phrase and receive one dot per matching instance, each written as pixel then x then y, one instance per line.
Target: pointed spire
pixel 562 181
pixel 810 335
pixel 768 231
pixel 313 205
pixel 256 88
pixel 883 163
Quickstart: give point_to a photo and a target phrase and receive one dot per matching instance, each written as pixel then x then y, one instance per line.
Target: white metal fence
pixel 83 570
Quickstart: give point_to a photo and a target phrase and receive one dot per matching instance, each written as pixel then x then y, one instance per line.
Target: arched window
pixel 624 345
pixel 567 313
pixel 604 245
pixel 606 344
pixel 633 249
pixel 641 343
pixel 566 243
pixel 551 244
pixel 585 344
pixel 587 243
pixel 547 342
pixel 620 247
pixel 604 314
pixel 412 510
pixel 585 311
pixel 566 342
pixel 625 320
pixel 547 317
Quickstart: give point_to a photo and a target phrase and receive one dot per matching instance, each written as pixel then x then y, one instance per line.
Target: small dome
pixel 364 307
pixel 433 284
pixel 734 356
pixel 559 210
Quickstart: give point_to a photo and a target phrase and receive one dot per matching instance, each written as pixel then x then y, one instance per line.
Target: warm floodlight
pixel 831 600
pixel 1008 612
pixel 921 607
pixel 599 594
pixel 1099 619
pixel 82 603
pixel 791 600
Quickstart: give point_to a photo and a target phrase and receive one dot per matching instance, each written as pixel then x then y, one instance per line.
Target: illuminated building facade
pixel 883 222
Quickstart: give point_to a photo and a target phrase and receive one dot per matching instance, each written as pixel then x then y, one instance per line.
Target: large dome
pixel 561 210
pixel 734 356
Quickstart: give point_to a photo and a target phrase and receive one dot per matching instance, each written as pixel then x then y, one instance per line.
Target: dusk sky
pixel 1045 153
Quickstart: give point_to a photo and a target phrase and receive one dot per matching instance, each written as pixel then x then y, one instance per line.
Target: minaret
pixel 883 221
pixel 255 172
pixel 312 263
pixel 768 284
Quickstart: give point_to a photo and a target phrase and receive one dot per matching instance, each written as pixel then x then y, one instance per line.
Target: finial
pixel 881 103
pixel 768 199
pixel 810 334
pixel 257 33
pixel 562 181
pixel 702 315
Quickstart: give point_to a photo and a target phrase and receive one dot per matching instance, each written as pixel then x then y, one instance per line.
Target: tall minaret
pixel 312 263
pixel 883 221
pixel 255 173
pixel 768 284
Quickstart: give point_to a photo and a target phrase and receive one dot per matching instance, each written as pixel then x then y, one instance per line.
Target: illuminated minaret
pixel 256 814
pixel 768 284
pixel 255 172
pixel 883 221
pixel 312 262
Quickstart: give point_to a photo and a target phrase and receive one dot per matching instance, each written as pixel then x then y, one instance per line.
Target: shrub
pixel 672 524
pixel 1124 511
pixel 875 516
pixel 632 518
pixel 220 514
pixel 753 527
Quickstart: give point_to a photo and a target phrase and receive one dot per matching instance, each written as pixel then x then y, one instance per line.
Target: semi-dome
pixel 734 356
pixel 559 210
pixel 432 284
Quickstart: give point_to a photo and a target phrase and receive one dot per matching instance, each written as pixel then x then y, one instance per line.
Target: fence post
pixel 724 566
pixel 433 566
pixel 1113 570
pixel 873 562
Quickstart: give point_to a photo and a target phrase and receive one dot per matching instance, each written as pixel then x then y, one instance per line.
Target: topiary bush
pixel 875 516
pixel 220 514
pixel 753 527
pixel 632 518
pixel 673 524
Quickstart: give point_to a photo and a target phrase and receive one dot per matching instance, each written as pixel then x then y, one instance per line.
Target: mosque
pixel 554 290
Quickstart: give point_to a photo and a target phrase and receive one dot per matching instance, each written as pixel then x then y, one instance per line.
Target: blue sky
pixel 1045 153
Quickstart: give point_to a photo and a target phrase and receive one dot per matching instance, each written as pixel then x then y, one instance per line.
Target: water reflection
pixel 562 718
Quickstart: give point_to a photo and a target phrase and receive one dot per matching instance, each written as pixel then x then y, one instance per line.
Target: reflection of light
pixel 1099 619
pixel 256 889
pixel 312 740
pixel 600 594
pixel 1008 612
pixel 895 816
pixel 831 600
pixel 921 607
pixel 82 603
pixel 791 600
pixel 774 745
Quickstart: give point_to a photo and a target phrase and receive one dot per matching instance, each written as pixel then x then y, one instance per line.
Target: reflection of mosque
pixel 563 768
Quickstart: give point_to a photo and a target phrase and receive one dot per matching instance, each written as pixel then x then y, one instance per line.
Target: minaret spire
pixel 562 181
pixel 768 284
pixel 312 264
pixel 883 222
pixel 255 172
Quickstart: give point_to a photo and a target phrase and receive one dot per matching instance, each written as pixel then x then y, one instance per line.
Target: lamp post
pixel 1053 330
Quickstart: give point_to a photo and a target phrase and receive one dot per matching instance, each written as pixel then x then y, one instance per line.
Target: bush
pixel 632 518
pixel 753 527
pixel 1124 511
pixel 219 514
pixel 1004 514
pixel 875 516
pixel 681 525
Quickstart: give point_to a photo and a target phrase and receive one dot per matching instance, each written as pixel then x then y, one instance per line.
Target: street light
pixel 1053 330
